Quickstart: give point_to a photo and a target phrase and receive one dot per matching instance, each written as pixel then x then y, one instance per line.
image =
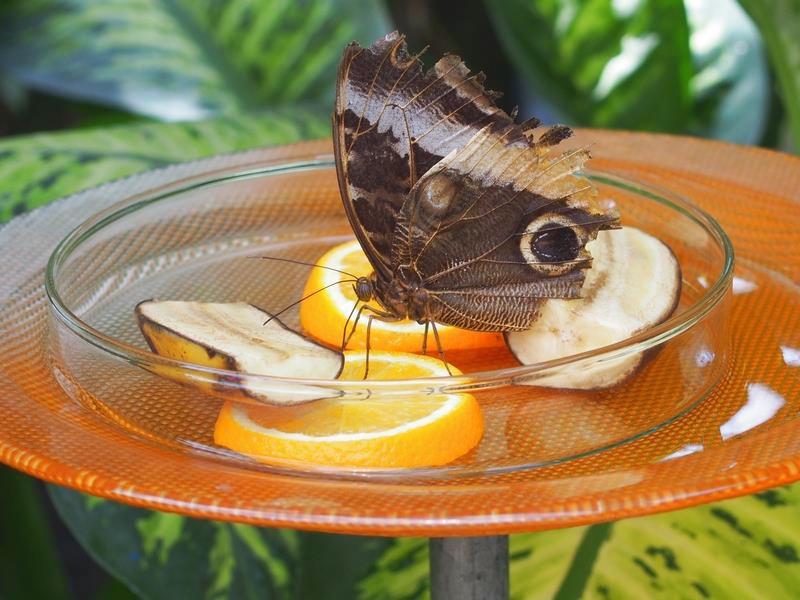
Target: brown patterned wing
pixel 393 122
pixel 496 227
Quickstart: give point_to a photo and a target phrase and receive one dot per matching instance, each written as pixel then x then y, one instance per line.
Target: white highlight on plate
pixel 791 356
pixel 762 404
pixel 685 451
pixel 743 286
pixel 704 357
pixel 634 51
pixel 703 281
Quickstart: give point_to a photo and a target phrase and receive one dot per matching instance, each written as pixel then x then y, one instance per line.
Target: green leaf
pixel 161 555
pixel 400 573
pixel 29 565
pixel 184 59
pixel 35 169
pixel 743 548
pixel 779 23
pixel 603 63
pixel 730 86
pixel 331 565
pixel 114 589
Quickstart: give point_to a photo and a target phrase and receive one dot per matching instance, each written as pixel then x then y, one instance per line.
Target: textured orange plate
pixel 744 437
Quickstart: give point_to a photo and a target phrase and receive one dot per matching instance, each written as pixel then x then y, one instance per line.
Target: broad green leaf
pixel 29 565
pixel 184 59
pixel 114 589
pixel 331 565
pixel 161 555
pixel 400 573
pixel 603 63
pixel 730 87
pixel 35 169
pixel 169 556
pixel 743 548
pixel 779 23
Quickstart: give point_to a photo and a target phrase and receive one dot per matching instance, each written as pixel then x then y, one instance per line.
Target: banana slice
pixel 634 284
pixel 235 337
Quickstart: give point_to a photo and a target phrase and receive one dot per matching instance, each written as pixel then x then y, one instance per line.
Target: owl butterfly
pixel 467 218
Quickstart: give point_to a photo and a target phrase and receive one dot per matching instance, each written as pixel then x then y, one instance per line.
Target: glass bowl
pixel 191 241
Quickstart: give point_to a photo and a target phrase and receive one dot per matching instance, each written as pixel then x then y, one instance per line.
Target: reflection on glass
pixel 742 286
pixel 704 357
pixel 762 404
pixel 791 356
pixel 685 451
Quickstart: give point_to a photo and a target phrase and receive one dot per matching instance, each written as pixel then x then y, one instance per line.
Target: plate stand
pixel 469 568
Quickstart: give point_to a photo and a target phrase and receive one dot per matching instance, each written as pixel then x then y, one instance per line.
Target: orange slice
pixel 418 431
pixel 323 315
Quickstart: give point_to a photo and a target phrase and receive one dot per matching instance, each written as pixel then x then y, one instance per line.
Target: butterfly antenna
pixel 307 264
pixel 307 296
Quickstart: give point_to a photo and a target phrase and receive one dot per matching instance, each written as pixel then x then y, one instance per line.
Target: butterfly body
pixel 467 217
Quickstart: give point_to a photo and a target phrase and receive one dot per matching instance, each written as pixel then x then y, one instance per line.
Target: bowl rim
pixel 640 342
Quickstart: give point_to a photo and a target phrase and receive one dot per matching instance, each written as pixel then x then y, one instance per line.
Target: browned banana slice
pixel 234 336
pixel 634 284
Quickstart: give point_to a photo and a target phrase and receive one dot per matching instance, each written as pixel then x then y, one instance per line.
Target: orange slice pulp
pixel 415 431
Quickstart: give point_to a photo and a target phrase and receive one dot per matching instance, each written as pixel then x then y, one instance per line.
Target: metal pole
pixel 469 568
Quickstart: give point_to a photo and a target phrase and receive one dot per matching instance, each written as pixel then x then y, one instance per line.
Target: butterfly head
pixel 364 288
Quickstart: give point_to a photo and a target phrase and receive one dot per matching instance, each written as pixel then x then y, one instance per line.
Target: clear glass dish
pixel 190 241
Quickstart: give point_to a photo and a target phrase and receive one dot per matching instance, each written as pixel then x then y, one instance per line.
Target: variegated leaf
pixel 183 59
pixel 35 169
pixel 166 556
pixel 743 548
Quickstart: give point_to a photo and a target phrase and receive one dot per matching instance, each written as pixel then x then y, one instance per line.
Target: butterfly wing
pixel 393 122
pixel 499 225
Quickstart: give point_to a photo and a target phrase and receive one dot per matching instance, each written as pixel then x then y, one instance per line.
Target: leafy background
pixel 94 90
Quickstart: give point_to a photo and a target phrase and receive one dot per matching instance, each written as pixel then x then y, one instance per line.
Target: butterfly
pixel 467 217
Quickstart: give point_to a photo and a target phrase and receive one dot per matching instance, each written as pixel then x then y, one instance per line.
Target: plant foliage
pixel 184 59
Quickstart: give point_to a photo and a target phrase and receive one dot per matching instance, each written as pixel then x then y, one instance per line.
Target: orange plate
pixel 744 437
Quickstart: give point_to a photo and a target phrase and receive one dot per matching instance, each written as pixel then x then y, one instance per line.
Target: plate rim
pixel 593 510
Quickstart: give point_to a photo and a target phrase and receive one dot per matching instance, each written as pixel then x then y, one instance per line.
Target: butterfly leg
pixel 377 313
pixel 345 337
pixel 355 324
pixel 425 339
pixel 383 316
pixel 439 345
pixel 366 360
